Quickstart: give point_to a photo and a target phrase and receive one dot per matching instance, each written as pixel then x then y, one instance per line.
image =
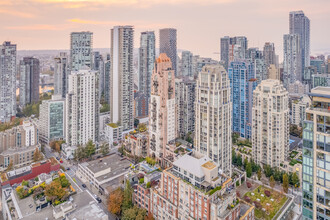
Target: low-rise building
pixel 192 188
pixel 17 145
pixel 98 172
pixel 137 144
pixel 113 133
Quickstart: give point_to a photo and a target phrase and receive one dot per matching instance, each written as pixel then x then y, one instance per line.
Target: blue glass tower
pixel 242 82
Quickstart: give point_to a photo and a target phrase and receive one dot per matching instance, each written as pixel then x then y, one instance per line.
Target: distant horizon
pixel 47 24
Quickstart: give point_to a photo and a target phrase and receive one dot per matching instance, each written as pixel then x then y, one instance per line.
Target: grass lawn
pixel 274 206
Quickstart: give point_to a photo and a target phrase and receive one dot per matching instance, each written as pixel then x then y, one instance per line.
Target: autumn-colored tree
pixel 57 146
pixel 272 182
pixel 115 201
pixel 134 213
pixel 285 184
pixel 37 156
pixel 10 166
pixel 54 191
pixel 149 217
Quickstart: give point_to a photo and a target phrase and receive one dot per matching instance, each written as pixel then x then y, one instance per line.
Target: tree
pixel 272 182
pixel 57 147
pixel 259 174
pixel 104 149
pixel 239 160
pixel 295 180
pixel 90 148
pixel 79 153
pixel 245 163
pixel 134 213
pixel 10 166
pixel 64 181
pixel 285 183
pixel 127 202
pixel 142 127
pixel 149 217
pixel 115 201
pixel 54 191
pixel 233 157
pixel 268 170
pixel 248 170
pixel 37 156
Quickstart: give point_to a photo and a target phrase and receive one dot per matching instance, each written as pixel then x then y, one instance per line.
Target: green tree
pixel 79 153
pixel 268 171
pixel 295 180
pixel 248 170
pixel 272 182
pixel 233 157
pixel 259 174
pixel 134 213
pixel 90 148
pixel 64 182
pixel 127 202
pixel 104 149
pixel 239 160
pixel 285 184
pixel 245 163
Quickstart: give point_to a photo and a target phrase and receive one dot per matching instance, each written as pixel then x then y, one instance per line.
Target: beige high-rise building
pixel 162 108
pixel 213 116
pixel 270 123
pixel 273 72
pixel 299 110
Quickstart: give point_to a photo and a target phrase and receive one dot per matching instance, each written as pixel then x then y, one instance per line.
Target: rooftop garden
pixel 293 154
pixel 56 192
pixel 113 125
pixel 9 125
pixel 267 202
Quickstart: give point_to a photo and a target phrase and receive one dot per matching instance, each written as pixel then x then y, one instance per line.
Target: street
pixel 77 183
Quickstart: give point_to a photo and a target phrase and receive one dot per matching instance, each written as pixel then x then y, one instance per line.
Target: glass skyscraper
pixel 242 83
pixel 316 156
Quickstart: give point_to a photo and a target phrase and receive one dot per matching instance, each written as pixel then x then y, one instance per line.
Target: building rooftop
pixel 89 212
pixel 193 163
pixel 115 162
pixel 321 91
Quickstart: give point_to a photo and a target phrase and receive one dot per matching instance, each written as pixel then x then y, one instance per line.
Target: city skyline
pixel 47 24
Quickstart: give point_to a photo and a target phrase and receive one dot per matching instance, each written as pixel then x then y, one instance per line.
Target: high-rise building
pixel 185 92
pixel 316 158
pixel 52 119
pixel 107 68
pixel 168 45
pixel 98 65
pixel 292 68
pixel 7 81
pixel 186 64
pixel 233 48
pixel 260 69
pixel 82 107
pixel 241 74
pixel 300 25
pixel 121 77
pixel 299 107
pixel 320 80
pixel 81 50
pixel 213 116
pixel 61 72
pixel 147 53
pixel 270 123
pixel 141 105
pixel 162 107
pixel 269 54
pixel 273 72
pixel 198 63
pixel 29 69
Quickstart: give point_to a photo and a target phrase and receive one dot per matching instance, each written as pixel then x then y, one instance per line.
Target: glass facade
pixel 241 74
pixel 56 122
pixel 316 160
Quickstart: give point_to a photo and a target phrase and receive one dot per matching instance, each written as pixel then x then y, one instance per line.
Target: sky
pixel 47 24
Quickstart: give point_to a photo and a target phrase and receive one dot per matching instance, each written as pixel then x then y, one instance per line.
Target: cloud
pixel 17 13
pixel 45 27
pixel 138 3
pixel 135 23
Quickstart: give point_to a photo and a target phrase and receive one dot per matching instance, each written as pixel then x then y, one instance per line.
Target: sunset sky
pixel 46 24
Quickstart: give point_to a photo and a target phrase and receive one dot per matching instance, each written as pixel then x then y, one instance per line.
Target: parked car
pixel 68 168
pixel 98 200
pixel 84 185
